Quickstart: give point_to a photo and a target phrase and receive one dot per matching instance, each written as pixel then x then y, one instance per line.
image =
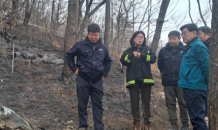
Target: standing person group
pixel 169 61
pixel 184 76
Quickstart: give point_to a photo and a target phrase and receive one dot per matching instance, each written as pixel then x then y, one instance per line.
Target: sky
pixel 180 10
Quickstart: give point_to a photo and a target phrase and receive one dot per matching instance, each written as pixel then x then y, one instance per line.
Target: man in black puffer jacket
pixel 93 64
pixel 169 61
pixel 138 58
pixel 204 35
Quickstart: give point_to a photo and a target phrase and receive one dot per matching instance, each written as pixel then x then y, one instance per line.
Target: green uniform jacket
pixel 194 70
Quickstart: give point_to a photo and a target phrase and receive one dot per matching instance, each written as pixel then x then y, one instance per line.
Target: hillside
pixel 36 92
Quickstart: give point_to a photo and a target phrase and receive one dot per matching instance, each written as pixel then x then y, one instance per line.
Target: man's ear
pixel 195 32
pixel 208 34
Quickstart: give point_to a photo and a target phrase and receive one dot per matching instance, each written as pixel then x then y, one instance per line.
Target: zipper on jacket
pixel 92 56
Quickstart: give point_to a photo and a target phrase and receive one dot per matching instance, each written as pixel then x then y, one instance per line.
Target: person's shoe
pixel 185 127
pixel 137 126
pixel 173 126
pixel 148 127
pixel 82 128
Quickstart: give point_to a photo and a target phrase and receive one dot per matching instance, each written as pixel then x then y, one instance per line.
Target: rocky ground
pixel 36 92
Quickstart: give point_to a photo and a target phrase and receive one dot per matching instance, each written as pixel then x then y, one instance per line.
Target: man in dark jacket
pixel 138 58
pixel 204 35
pixel 93 64
pixel 169 61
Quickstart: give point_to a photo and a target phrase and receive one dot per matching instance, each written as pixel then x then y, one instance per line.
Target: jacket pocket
pixel 86 54
pixel 100 55
pixel 83 69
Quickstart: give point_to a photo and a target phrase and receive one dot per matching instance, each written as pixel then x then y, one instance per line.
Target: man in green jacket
pixel 193 76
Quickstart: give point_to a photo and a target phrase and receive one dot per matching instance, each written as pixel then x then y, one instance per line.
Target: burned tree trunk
pixel 213 71
pixel 70 35
pixel 159 24
pixel 107 24
pixel 52 14
pixel 14 12
pixel 28 12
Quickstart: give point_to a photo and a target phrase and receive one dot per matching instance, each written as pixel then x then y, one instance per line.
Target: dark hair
pixel 205 29
pixel 134 35
pixel 94 28
pixel 191 27
pixel 174 33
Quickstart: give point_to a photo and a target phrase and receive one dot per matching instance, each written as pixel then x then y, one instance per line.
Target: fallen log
pixel 57 63
pixel 5 53
pixel 9 119
pixel 27 55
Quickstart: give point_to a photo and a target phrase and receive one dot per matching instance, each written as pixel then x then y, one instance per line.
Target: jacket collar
pixel 207 42
pixel 180 45
pixel 135 47
pixel 193 41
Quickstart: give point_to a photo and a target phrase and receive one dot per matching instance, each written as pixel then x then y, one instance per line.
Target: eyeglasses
pixel 184 33
pixel 139 37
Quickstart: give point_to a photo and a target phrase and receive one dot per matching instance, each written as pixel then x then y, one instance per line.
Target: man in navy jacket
pixel 93 64
pixel 169 61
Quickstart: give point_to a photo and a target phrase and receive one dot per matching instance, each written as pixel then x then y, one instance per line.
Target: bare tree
pixel 80 11
pixel 107 24
pixel 52 14
pixel 41 13
pixel 199 7
pixel 28 12
pixel 213 70
pixel 58 14
pixel 178 19
pixel 1 4
pixel 189 6
pixel 70 35
pixel 14 11
pixel 159 24
pixel 88 14
pixel 118 24
pixel 126 22
pixel 210 6
pixel 112 20
pixel 149 20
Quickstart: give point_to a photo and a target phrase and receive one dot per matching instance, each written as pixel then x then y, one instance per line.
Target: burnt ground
pixel 36 93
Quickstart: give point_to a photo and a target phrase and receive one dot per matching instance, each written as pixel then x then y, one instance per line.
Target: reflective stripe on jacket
pixel 142 65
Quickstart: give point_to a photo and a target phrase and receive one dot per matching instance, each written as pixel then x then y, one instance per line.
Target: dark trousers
pixel 206 102
pixel 171 94
pixel 134 91
pixel 195 101
pixel 95 91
